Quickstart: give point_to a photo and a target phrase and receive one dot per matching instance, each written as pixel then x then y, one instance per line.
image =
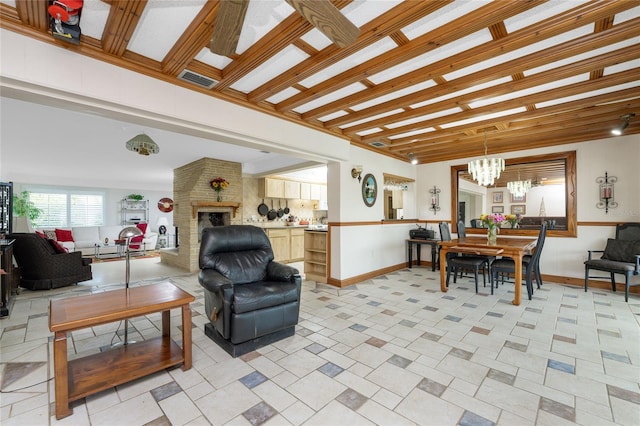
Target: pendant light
pixel 486 170
pixel 519 187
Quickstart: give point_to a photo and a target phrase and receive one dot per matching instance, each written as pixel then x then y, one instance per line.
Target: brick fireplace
pixel 195 206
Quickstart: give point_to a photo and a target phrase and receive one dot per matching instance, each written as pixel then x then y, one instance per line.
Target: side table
pixel 85 376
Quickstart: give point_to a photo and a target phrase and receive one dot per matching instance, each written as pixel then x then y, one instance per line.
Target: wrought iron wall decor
pixel 606 192
pixel 434 205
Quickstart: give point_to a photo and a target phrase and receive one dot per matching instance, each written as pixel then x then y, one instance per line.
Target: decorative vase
pixel 219 197
pixel 492 235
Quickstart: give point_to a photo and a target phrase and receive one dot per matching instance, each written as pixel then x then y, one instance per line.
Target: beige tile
pixel 380 415
pixel 137 410
pixel 298 413
pixel 224 404
pixel 337 414
pixel 519 402
pixel 419 406
pixel 274 395
pixel 316 390
pixel 393 378
pixel 179 409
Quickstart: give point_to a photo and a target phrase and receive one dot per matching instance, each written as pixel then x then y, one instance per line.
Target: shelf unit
pixel 134 211
pixel 315 256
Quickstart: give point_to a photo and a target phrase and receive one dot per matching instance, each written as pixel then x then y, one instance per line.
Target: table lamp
pixel 126 234
pixel 162 224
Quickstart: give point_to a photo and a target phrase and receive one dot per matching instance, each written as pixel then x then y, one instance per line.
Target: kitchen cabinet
pixel 397 199
pixel 316 191
pixel 297 244
pixel 315 256
pixel 271 188
pixel 305 191
pixel 291 190
pixel 280 244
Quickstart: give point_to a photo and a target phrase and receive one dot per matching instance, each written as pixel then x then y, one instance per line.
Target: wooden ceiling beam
pixel 617 33
pixel 193 39
pixel 548 95
pixel 454 30
pixel 34 13
pixel 124 15
pixel 370 33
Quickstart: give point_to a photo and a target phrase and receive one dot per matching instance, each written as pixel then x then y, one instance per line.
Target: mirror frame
pixel 570 196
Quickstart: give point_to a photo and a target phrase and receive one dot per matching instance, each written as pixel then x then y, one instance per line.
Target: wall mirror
pixel 394 189
pixel 551 198
pixel 369 190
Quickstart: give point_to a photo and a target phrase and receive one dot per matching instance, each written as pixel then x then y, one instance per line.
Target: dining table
pixel 513 247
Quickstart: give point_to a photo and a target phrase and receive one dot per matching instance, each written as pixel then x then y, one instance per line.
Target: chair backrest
pixel 475 223
pixel 462 230
pixel 541 237
pixel 241 253
pixel 445 234
pixel 628 231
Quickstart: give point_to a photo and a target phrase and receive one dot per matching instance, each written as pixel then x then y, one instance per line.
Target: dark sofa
pixel 44 268
pixel 250 300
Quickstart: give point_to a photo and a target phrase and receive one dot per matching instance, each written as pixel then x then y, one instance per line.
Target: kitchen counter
pixel 274 224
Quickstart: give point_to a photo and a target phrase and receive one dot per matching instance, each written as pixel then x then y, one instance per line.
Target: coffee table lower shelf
pixel 123 364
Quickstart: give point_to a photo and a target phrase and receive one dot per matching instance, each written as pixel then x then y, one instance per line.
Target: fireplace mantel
pixel 195 205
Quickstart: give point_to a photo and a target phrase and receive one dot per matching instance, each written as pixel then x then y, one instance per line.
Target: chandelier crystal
pixel 485 171
pixel 143 145
pixel 519 187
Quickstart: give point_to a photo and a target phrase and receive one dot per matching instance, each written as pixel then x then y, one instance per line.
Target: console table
pixel 85 376
pixel 418 243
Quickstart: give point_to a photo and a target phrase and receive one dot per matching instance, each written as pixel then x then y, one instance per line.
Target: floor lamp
pixel 126 235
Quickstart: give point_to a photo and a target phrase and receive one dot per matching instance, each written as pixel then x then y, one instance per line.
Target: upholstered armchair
pixel 44 267
pixel 250 300
pixel 620 256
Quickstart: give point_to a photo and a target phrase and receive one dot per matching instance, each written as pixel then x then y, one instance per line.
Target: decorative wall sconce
pixel 356 173
pixel 606 193
pixel 435 199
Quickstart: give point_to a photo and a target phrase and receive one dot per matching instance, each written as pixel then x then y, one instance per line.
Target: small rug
pixel 149 254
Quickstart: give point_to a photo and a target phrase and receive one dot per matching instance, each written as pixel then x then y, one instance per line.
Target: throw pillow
pixel 142 227
pixel 64 235
pixel 135 241
pixel 41 234
pixel 50 234
pixel 621 250
pixel 58 248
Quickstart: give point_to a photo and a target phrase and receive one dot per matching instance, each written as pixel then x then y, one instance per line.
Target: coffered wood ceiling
pixel 428 77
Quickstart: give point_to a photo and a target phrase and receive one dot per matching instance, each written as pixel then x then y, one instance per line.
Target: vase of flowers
pixel 492 223
pixel 219 184
pixel 513 219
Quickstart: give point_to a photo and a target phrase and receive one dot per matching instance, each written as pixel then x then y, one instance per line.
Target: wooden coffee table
pixel 84 376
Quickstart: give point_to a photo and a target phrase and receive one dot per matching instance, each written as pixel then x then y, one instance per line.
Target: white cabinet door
pixel 291 190
pixel 305 191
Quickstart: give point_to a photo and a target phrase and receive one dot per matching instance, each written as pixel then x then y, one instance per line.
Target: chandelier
pixel 143 145
pixel 519 187
pixel 486 170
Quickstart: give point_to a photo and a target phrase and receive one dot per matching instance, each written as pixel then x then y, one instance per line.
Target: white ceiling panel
pixel 373 117
pixel 540 13
pixel 585 95
pixel 461 92
pixel 332 116
pixel 94 18
pixel 283 60
pixel 394 95
pixel 537 89
pixel 369 131
pixel 483 117
pixel 262 16
pixel 425 117
pixel 157 31
pixel 285 94
pixel 351 61
pixel 335 95
pixel 209 58
pixel 627 15
pixel 412 133
pixel 624 66
pixel 441 16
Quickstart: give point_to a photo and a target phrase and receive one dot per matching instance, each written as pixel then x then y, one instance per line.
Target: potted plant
pixel 25 212
pixel 136 197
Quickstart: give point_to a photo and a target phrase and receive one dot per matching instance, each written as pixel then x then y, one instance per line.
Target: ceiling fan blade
pixel 226 31
pixel 328 19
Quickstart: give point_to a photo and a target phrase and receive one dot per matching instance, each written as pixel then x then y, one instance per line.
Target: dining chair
pixel 456 263
pixel 530 265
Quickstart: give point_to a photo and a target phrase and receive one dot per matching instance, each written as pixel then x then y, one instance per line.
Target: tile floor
pixel 393 350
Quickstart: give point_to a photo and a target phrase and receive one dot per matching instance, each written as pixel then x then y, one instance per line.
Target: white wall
pixel 619 156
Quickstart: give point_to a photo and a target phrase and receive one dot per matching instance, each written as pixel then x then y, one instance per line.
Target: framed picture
pixel 497 197
pixel 497 209
pixel 519 199
pixel 369 190
pixel 519 209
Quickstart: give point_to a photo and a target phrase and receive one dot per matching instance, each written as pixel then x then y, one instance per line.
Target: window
pixel 68 208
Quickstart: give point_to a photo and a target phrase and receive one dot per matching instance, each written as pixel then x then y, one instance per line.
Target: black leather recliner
pixel 250 300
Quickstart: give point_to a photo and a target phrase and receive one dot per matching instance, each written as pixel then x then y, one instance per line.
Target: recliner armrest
pixel 281 272
pixel 213 280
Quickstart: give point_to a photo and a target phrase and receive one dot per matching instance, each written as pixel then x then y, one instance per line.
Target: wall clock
pixel 369 190
pixel 165 205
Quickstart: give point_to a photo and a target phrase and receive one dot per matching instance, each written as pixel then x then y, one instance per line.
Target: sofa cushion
pixel 85 236
pixel 111 232
pixel 64 234
pixel 621 250
pixel 260 295
pixel 58 247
